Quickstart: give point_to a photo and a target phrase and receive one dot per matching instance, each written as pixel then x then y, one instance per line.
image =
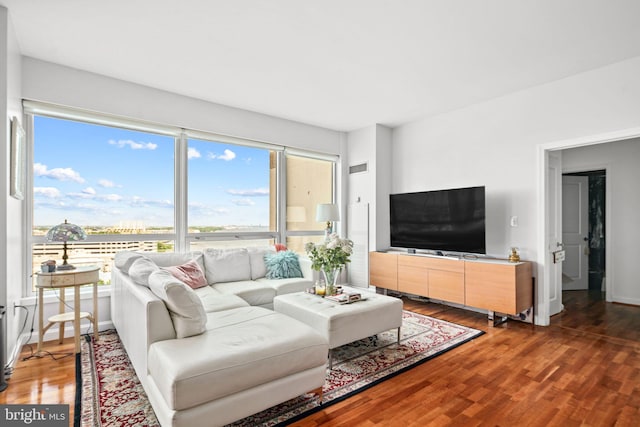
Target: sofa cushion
pixel 250 349
pixel 286 286
pixel 256 259
pixel 213 300
pixel 282 265
pixel 189 273
pixel 123 260
pixel 185 308
pixel 251 291
pixel 140 270
pixel 226 265
pixel 168 259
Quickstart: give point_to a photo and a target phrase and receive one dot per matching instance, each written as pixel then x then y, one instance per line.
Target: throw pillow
pixel 185 308
pixel 282 265
pixel 226 265
pixel 124 259
pixel 280 247
pixel 256 259
pixel 141 269
pixel 189 273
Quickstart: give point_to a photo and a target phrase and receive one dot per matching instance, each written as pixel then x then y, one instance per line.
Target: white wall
pixel 44 81
pixel 12 270
pixel 47 82
pixel 361 149
pixel 495 144
pixel 623 175
pixel 373 146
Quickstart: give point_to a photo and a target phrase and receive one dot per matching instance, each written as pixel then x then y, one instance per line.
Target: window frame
pixel 181 237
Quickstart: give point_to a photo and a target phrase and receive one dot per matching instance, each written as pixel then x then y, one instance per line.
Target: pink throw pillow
pixel 280 247
pixel 190 273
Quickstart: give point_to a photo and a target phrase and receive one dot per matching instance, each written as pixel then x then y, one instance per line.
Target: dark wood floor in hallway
pixel 584 369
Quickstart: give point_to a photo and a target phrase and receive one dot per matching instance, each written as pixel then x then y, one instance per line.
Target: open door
pixel 575 232
pixel 554 230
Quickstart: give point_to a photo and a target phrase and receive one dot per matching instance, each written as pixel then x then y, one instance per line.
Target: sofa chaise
pixel 216 353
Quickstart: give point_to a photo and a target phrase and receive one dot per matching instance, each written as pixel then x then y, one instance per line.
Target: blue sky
pixel 98 175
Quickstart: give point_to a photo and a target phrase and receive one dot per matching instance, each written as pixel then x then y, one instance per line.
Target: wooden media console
pixel 498 286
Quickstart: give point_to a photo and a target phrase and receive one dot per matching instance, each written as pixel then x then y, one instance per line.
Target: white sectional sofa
pixel 218 353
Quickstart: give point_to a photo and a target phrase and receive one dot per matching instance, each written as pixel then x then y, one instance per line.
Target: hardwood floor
pixel 584 369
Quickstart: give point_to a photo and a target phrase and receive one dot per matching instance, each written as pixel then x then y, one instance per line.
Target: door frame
pixel 545 281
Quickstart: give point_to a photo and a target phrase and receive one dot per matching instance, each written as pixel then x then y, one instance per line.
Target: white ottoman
pixel 343 323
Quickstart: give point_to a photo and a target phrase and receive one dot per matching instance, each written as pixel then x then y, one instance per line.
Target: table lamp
pixel 327 212
pixel 66 232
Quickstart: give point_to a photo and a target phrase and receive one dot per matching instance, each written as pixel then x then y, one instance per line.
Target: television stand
pixel 498 286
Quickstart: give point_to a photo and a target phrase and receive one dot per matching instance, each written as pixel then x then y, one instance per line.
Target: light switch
pixel 514 221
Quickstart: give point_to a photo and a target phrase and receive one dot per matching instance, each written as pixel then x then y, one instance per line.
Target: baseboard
pixel 15 352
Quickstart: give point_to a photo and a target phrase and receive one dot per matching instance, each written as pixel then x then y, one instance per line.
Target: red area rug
pixel 113 396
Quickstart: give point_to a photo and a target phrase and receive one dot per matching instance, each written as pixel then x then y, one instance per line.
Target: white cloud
pixel 257 192
pixel 106 183
pixel 227 156
pixel 46 191
pixel 192 153
pixel 89 190
pixel 60 174
pixel 133 144
pixel 138 201
pixel 243 202
pixel 111 197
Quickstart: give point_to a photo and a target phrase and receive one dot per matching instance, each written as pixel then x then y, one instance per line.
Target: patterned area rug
pixel 113 396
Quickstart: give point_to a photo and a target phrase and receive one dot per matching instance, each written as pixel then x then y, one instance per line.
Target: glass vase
pixel 331 279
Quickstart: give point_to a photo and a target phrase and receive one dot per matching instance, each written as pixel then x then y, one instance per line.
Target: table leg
pixel 95 311
pixel 76 317
pixel 40 320
pixel 61 309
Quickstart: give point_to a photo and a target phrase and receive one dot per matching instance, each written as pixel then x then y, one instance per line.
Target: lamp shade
pixel 66 232
pixel 327 212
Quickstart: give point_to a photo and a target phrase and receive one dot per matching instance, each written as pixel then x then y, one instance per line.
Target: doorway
pixel 585 267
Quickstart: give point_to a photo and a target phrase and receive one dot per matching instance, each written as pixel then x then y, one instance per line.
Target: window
pixel 310 181
pixel 143 187
pixel 116 183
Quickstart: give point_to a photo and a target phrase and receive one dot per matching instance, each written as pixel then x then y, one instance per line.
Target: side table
pixel 66 279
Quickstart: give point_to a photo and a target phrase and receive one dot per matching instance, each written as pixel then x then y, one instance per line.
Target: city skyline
pixel 100 176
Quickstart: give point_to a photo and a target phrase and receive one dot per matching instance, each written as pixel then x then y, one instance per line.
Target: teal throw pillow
pixel 282 265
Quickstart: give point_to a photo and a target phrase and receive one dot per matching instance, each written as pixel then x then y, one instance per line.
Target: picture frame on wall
pixel 17 172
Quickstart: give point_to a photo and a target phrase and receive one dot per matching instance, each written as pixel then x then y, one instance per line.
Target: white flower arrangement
pixel 330 255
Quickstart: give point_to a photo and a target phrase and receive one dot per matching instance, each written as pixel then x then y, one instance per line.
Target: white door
pixel 575 232
pixel 554 238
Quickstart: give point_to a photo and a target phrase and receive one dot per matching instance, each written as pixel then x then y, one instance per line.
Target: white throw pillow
pixel 124 259
pixel 185 307
pixel 226 265
pixel 169 259
pixel 256 259
pixel 140 270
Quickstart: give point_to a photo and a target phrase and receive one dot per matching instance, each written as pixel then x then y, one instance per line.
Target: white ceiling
pixel 340 64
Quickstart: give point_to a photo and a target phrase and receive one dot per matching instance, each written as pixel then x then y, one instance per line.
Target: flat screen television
pixel 444 220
